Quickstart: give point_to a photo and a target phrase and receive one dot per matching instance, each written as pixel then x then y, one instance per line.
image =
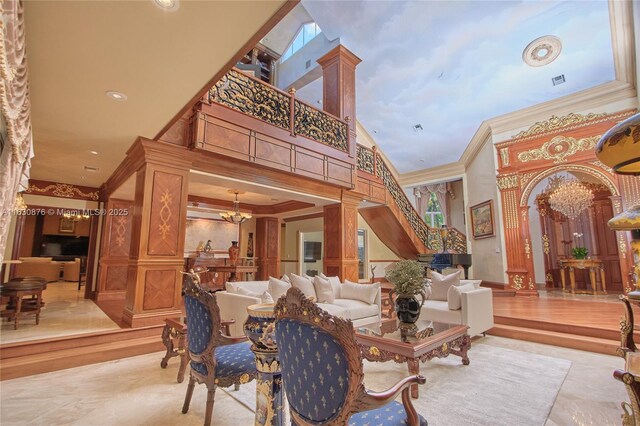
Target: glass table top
pixel 392 329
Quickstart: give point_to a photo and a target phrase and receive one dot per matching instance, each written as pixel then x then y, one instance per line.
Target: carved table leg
pixel 592 278
pixel 168 343
pixel 563 278
pixel 572 278
pixel 604 284
pixel 414 368
pixel 184 356
pixel 465 345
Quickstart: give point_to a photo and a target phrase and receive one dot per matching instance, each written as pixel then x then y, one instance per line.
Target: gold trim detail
pixel 374 351
pixel 546 246
pixel 527 248
pixel 622 245
pixel 548 277
pixel 165 214
pixel 558 149
pixel 603 166
pixel 64 190
pixel 556 122
pixel 507 182
pixel 504 156
pixel 517 282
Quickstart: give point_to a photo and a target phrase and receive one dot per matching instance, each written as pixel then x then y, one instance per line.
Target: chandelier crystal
pixel 235 216
pixel 570 198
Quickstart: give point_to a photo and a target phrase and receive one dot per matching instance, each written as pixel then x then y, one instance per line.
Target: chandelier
pixel 235 216
pixel 75 216
pixel 570 197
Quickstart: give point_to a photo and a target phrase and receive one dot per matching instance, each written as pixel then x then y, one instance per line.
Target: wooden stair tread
pixel 556 338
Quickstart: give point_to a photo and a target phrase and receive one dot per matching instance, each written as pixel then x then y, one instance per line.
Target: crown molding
pixel 445 172
pixel 623 41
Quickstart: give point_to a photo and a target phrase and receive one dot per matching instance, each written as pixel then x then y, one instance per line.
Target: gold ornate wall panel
pixel 63 190
pixel 159 289
pixel 242 93
pixel 320 126
pixel 165 214
pixel 558 145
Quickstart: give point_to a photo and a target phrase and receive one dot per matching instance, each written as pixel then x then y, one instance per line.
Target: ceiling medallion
pixel 542 51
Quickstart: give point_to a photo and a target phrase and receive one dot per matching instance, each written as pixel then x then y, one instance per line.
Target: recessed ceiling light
pixel 94 152
pixel 169 5
pixel 417 127
pixel 116 96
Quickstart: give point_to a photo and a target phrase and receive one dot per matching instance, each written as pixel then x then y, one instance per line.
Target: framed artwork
pixel 67 226
pixel 482 220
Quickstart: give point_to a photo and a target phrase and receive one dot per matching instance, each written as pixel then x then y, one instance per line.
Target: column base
pixel 533 293
pixel 149 318
pixel 110 295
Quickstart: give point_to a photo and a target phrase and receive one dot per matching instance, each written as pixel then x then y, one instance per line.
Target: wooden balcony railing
pixel 258 99
pixel 368 161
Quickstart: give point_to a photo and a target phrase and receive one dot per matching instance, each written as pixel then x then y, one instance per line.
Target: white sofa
pixel 476 311
pixel 234 306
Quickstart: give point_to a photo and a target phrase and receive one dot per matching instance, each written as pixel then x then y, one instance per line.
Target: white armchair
pixel 476 311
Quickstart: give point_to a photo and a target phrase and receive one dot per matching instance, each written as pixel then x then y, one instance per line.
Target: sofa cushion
pixel 334 309
pixel 277 288
pixel 438 310
pixel 335 284
pixel 454 295
pixel 265 296
pixel 365 292
pixel 304 285
pixel 440 284
pixel 357 309
pixel 255 286
pixel 324 290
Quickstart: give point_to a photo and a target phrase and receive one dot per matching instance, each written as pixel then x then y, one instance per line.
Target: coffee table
pixel 393 341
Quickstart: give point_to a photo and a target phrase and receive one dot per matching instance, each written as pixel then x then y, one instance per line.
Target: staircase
pixel 396 222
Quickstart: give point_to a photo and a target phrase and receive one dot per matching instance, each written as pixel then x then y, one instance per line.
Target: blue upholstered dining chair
pixel 216 359
pixel 322 371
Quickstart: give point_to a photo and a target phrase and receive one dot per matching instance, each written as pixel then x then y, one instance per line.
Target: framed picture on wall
pixel 482 220
pixel 67 226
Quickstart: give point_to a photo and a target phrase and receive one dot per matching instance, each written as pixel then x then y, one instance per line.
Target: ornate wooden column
pixel 341 237
pixel 154 279
pixel 339 87
pixel 267 250
pixel 525 235
pixel 544 213
pixel 116 245
pixel 520 276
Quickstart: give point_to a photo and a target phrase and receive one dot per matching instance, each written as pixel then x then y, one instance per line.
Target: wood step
pixel 27 365
pixel 601 333
pixel 566 340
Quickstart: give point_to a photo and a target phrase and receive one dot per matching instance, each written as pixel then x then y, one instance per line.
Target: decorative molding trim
pixel 62 190
pixel 558 149
pixel 426 176
pixel 554 123
pixel 507 182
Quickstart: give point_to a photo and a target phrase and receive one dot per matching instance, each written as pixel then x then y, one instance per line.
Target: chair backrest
pixel 203 319
pixel 320 360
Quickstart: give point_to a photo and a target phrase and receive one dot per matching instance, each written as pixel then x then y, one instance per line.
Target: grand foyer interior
pixel 316 187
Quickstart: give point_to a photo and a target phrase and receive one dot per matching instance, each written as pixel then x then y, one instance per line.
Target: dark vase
pixel 407 308
pixel 234 253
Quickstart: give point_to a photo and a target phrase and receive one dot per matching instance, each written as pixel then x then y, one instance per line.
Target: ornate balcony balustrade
pixel 264 102
pixel 368 161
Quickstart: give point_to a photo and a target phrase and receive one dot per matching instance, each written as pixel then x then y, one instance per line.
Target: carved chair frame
pixel 357 399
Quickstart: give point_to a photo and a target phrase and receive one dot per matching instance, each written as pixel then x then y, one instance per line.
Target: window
pixel 362 256
pixel 304 35
pixel 433 216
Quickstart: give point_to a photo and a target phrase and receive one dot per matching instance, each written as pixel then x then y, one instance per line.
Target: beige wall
pixel 481 186
pixel 457 207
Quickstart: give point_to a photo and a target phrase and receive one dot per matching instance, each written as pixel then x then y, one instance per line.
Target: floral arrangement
pixel 407 277
pixel 579 252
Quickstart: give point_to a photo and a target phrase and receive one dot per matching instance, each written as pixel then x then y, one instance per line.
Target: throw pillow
pixel 277 288
pixel 364 292
pixel 336 285
pixel 324 290
pixel 321 275
pixel 304 285
pixel 454 295
pixel 286 278
pixel 440 284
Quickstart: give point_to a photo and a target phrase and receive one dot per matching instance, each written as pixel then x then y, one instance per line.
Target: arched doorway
pixel 554 235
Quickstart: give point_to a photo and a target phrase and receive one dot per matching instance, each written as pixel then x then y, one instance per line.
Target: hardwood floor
pixel 579 322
